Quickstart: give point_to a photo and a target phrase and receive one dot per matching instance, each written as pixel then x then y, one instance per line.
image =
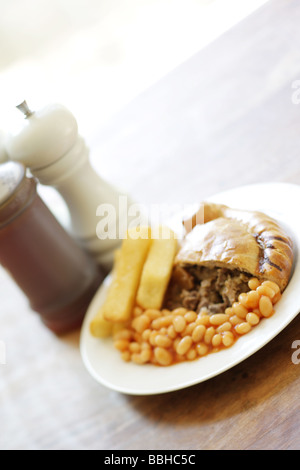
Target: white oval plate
pixel 103 361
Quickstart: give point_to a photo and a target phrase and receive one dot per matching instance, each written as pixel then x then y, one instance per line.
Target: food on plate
pixel 247 240
pixel 99 326
pixel 165 337
pixel 157 271
pixel 218 258
pixel 141 274
pixel 122 291
pixel 201 295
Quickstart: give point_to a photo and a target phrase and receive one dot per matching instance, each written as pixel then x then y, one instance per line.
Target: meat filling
pixel 198 287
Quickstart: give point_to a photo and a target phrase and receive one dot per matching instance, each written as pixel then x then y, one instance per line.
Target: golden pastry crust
pixel 249 241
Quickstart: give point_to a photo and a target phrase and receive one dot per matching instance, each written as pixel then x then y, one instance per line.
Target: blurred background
pixel 94 56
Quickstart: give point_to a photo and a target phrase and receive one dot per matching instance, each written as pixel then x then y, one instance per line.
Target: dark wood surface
pixel 224 118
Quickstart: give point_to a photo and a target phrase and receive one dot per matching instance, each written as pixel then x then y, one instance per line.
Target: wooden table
pixel 224 118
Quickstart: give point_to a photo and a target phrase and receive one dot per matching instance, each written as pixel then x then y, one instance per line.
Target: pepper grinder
pixel 49 145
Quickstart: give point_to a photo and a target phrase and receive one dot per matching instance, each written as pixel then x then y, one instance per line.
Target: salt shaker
pixel 58 277
pixel 48 144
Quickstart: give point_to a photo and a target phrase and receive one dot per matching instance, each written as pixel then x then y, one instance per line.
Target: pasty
pixel 219 256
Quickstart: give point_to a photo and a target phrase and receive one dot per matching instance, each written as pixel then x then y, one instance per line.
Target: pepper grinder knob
pixel 48 144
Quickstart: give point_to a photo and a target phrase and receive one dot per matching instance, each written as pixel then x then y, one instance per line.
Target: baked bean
pixel 163 330
pixel 257 312
pixel 126 356
pixel 123 334
pixel 179 311
pixel 198 333
pixel 202 349
pixel 190 316
pixel 157 323
pixel 239 310
pixel 235 320
pixel 162 341
pixel 209 334
pixel 142 357
pixel 153 313
pixel 188 330
pixel 218 318
pixel 265 306
pixel 254 283
pixel 184 345
pixel 243 328
pixel 229 311
pixel 265 290
pixel 203 320
pixel 141 323
pixel 152 337
pixel 134 347
pixel 146 334
pixel 272 286
pixel 165 312
pixel 167 320
pixel 121 344
pixel 171 332
pixel 163 357
pixel 252 299
pixel 243 299
pixel 179 323
pixel 225 327
pixel 191 354
pixel 175 343
pixel 162 321
pixel 252 318
pixel 216 340
pixel 227 339
pixel 145 355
